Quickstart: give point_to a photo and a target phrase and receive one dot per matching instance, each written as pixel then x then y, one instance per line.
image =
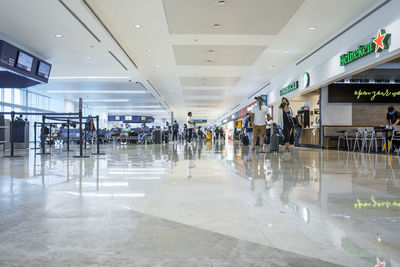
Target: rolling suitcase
pixel 274 140
pixel 157 136
pixel 245 140
pixel 274 143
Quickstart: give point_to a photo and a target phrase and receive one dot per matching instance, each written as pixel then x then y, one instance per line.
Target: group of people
pixel 144 131
pixel 258 120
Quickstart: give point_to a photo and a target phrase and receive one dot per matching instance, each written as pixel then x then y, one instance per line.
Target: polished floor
pixel 202 204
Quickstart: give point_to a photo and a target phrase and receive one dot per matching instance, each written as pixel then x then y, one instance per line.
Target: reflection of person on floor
pixel 288 177
pixel 258 179
pixel 189 159
pixel 89 166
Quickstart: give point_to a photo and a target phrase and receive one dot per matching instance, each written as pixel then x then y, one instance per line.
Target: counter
pixel 310 137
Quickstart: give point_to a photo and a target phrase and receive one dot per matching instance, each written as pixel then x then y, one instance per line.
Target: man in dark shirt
pixel 393 116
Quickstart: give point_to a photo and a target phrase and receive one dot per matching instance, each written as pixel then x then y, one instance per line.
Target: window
pixel 7 95
pixel 17 96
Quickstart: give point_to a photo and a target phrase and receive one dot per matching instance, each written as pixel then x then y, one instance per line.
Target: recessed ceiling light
pixel 58 35
pixel 88 57
pixel 216 25
pixel 157 66
pixel 312 28
pixel 149 50
pixel 138 26
pixel 286 52
pixel 221 2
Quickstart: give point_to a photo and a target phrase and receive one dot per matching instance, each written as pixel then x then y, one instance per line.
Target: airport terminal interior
pixel 200 133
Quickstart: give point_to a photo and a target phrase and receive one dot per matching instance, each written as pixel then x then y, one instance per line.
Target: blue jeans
pixel 297 135
pixel 250 135
pixel 141 136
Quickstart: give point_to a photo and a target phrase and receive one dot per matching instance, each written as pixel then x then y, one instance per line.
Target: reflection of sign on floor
pixel 377 204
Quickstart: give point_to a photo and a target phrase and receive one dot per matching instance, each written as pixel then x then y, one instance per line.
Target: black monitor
pixel 43 70
pixel 24 61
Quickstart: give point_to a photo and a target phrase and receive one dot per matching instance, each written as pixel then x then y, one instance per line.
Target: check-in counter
pixel 310 136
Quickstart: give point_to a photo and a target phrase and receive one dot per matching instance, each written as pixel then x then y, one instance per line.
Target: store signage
pixel 364 93
pixel 375 45
pixel 373 203
pixel 291 87
pixel 305 79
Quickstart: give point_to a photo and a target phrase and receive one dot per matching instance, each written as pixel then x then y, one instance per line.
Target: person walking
pixel 217 132
pixel 190 125
pixel 258 113
pixel 175 129
pixel 298 124
pixel 285 121
pixel 248 127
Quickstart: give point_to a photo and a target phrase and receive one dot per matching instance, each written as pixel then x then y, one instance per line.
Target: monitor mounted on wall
pixel 24 61
pixel 43 70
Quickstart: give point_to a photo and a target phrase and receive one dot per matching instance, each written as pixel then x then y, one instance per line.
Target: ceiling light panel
pixel 195 17
pixel 95 92
pixel 245 55
pixel 209 81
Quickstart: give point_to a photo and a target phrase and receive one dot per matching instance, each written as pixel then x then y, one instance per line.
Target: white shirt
pixel 259 114
pixel 189 125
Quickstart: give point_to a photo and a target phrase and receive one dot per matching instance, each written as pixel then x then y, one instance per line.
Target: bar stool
pixel 346 138
pixel 395 137
pixel 359 138
pixel 367 137
pixel 374 143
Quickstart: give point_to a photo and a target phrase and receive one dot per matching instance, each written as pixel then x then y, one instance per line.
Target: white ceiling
pixel 256 40
pixel 254 35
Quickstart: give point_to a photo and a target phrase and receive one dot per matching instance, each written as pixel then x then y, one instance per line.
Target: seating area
pixel 362 139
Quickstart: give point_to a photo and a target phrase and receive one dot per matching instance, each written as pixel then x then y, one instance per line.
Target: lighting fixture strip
pixel 96 92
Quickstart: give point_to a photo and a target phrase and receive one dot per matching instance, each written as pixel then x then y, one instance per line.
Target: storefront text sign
pixel 363 93
pixel 375 45
pixel 374 203
pixel 291 87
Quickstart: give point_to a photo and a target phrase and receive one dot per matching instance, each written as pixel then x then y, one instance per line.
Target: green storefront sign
pixel 291 87
pixel 376 45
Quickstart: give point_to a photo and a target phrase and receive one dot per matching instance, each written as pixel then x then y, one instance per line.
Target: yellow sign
pixel 376 204
pixel 374 94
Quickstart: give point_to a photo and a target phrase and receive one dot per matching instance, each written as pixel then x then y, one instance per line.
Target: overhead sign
pixel 200 121
pixel 375 45
pixel 291 87
pixel 364 93
pixel 22 69
pixel 130 118
pixel 265 99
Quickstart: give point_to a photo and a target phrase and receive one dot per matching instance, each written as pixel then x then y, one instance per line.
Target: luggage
pixel 245 140
pixel 274 143
pixel 157 136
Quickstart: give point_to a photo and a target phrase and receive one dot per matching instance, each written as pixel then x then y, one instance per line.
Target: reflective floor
pixel 199 205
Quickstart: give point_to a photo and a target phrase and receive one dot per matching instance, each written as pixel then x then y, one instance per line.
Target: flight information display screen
pixel 24 61
pixel 43 70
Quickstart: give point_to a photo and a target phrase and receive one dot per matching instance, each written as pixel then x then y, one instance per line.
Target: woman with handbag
pixel 285 121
